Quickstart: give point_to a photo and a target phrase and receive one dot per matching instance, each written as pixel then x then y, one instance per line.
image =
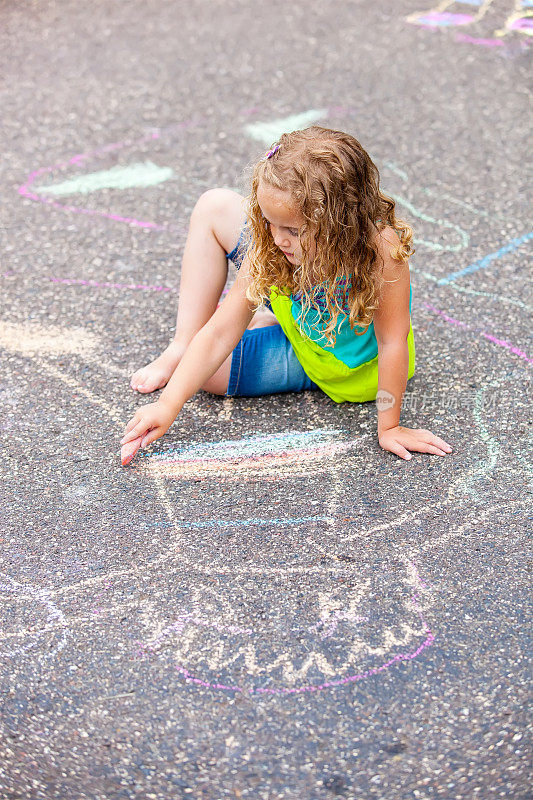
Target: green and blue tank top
pixel 346 370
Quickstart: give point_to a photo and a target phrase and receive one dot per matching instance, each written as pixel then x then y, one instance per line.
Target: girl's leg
pixel 214 228
pixel 218 383
pixel 264 363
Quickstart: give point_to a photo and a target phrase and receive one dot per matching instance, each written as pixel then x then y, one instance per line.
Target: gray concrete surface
pixel 221 620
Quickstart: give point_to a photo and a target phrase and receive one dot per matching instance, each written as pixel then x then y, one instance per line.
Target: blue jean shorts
pixel 264 362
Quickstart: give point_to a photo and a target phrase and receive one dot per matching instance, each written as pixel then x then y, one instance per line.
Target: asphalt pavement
pixel 265 605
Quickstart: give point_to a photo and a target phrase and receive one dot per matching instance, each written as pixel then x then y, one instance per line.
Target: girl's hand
pixel 400 440
pixel 148 424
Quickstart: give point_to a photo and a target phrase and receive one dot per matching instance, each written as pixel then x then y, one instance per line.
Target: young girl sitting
pixel 321 247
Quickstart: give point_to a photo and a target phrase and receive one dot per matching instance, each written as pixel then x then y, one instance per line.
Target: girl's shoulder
pixel 387 236
pixel 387 241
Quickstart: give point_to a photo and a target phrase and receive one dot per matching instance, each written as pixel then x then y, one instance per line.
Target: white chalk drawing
pixel 130 176
pixel 31 338
pixel 290 648
pixel 268 132
pixel 465 15
pixel 260 457
pixel 31 621
pixel 297 610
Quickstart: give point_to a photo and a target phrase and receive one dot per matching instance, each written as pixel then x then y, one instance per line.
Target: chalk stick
pixel 128 450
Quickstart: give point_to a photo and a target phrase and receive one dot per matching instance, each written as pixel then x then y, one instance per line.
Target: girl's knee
pixel 218 383
pixel 215 387
pixel 222 212
pixel 214 202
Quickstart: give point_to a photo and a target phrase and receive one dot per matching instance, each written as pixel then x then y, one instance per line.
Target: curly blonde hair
pixel 335 183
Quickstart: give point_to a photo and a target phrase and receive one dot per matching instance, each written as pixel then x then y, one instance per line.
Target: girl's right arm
pixel 205 354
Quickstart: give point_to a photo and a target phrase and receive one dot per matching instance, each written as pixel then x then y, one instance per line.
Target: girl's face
pixel 284 219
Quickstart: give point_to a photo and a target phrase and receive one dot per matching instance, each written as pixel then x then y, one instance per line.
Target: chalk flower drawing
pixel 265 456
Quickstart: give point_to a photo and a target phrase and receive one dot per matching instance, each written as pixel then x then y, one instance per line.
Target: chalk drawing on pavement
pixel 490 337
pixel 41 341
pixel 461 14
pixel 276 654
pixel 520 20
pixel 484 262
pixel 31 621
pixel 211 645
pixel 449 237
pixel 143 174
pixel 321 638
pixel 440 16
pixel 31 338
pixel 131 176
pixel 268 132
pixel 247 654
pixel 260 457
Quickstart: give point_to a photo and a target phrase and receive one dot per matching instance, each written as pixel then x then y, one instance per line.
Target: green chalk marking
pixel 268 132
pixel 119 177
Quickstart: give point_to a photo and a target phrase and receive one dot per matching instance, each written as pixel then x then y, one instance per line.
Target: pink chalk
pixel 128 450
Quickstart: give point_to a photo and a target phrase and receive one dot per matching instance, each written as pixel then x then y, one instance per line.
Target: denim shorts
pixel 263 362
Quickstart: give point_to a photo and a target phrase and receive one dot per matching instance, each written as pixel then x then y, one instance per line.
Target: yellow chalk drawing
pixel 519 21
pixel 438 16
pixel 31 338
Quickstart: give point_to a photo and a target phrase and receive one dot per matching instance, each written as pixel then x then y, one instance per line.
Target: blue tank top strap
pixel 239 251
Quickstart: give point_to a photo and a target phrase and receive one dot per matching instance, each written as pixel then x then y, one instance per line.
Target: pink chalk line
pixel 25 189
pixel 135 286
pixel 464 37
pixel 143 287
pixel 500 342
pixel 429 640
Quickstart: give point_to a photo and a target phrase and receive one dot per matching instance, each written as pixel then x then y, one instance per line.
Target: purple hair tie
pixel 273 151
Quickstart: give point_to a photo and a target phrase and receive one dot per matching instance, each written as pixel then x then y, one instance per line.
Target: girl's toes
pixel 150 384
pixel 136 379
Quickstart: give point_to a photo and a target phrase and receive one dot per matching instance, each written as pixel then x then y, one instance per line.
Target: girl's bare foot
pixel 158 373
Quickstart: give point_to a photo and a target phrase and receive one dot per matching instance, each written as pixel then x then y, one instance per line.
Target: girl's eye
pixel 292 232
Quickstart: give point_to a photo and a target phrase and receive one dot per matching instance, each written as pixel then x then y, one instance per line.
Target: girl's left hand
pixel 400 440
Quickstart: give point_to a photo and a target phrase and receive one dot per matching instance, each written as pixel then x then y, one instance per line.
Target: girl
pixel 321 246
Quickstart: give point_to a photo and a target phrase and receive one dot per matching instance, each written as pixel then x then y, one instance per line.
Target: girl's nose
pixel 280 240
